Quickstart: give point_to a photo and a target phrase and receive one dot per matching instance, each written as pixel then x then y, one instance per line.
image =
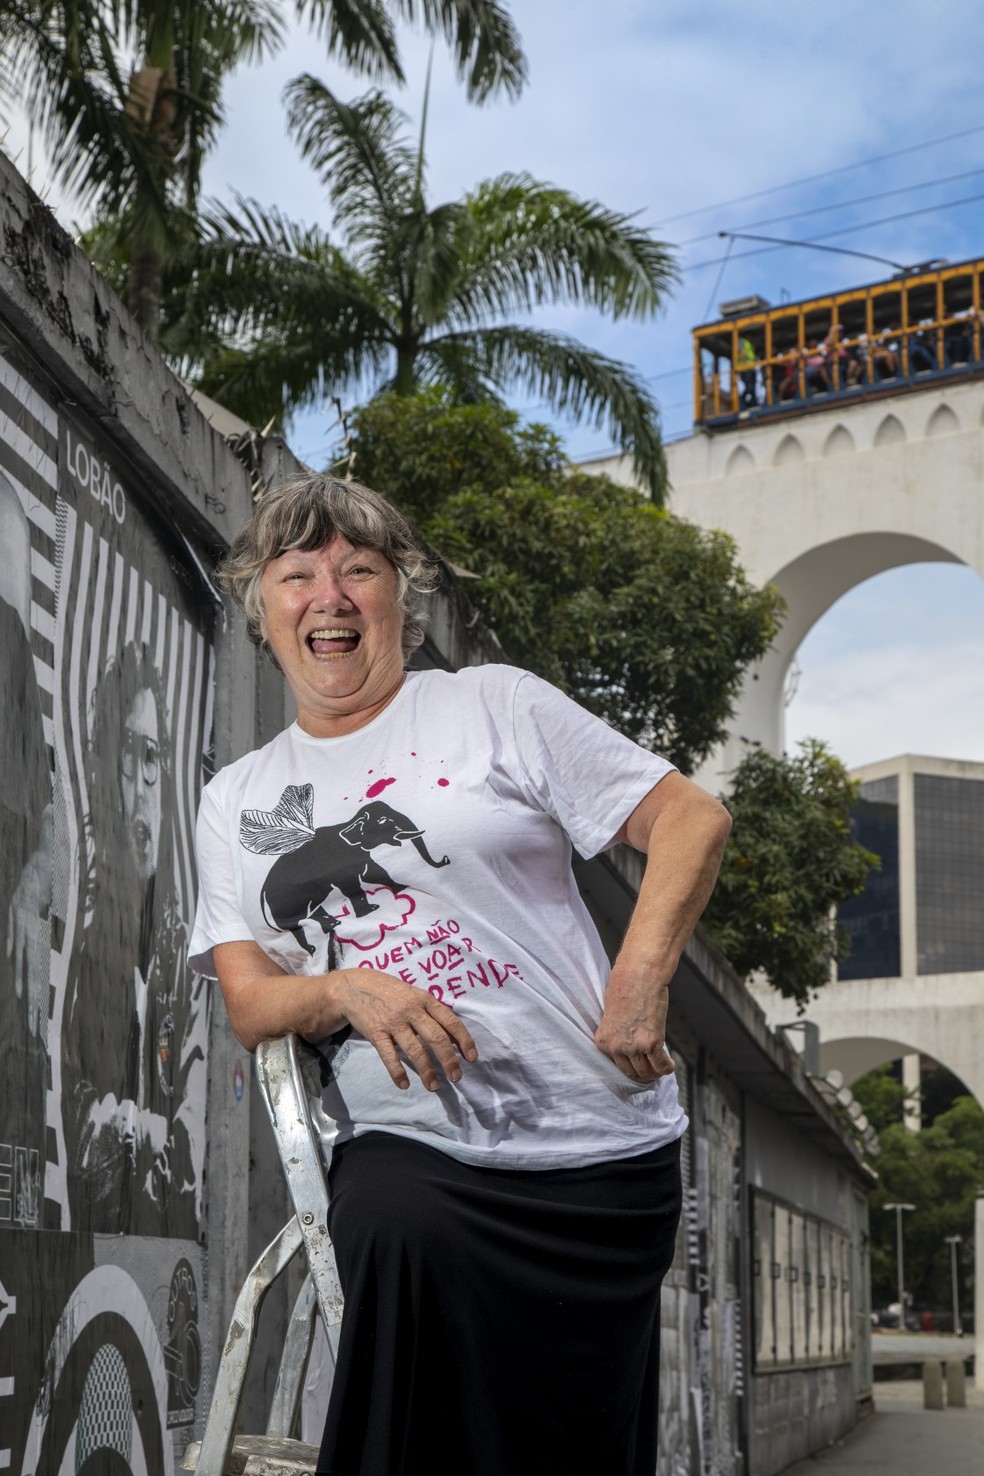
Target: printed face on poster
pixel 105 707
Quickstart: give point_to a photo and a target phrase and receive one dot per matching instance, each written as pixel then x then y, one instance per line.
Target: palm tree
pixel 276 313
pixel 127 96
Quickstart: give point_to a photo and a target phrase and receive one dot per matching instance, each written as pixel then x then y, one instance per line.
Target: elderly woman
pixel 390 878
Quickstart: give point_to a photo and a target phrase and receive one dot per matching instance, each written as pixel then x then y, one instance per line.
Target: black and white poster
pixel 105 706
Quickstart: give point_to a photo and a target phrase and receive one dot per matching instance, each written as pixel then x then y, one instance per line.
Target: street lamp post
pixel 953 1241
pixel 898 1208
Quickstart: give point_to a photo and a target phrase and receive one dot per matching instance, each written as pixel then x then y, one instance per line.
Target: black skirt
pixel 497 1322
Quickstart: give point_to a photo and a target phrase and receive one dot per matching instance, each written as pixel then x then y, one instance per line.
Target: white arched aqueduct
pixel 817 504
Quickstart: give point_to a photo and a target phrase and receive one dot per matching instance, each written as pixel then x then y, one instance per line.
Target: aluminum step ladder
pixel 288 1076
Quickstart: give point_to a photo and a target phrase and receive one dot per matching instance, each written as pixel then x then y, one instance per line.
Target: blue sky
pixel 702 116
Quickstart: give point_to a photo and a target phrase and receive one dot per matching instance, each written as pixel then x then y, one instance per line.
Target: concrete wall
pixel 775 1161
pixel 718 1411
pixel 795 1414
pixel 120 1241
pixel 795 1411
pixel 793 1151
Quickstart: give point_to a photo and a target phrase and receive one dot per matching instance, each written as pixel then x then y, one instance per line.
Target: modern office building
pixel 923 912
pixel 913 983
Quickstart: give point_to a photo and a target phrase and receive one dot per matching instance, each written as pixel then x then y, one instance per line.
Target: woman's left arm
pixel 682 830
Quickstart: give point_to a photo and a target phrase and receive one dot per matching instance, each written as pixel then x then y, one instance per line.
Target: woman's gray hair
pixel 306 514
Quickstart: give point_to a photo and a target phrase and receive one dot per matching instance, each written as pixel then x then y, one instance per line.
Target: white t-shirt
pixel 435 844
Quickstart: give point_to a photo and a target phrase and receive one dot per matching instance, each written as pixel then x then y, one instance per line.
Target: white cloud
pixel 897 666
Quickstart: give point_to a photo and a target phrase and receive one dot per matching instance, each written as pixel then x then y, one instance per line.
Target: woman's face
pixel 140 783
pixel 332 619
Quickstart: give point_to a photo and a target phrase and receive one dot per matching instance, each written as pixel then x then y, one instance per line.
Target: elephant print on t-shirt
pixel 315 861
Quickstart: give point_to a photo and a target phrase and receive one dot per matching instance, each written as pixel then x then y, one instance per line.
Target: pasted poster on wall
pixel 105 707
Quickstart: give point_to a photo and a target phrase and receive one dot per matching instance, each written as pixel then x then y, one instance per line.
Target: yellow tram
pixel 890 337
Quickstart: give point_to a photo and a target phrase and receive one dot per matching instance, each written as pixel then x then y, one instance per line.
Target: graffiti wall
pixel 105 709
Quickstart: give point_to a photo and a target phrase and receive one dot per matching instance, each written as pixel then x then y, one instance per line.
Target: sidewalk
pixel 903 1439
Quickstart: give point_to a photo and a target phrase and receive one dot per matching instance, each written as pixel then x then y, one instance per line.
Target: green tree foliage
pixel 643 618
pixel 883 1097
pixel 127 96
pixel 274 314
pixel 424 449
pixel 790 861
pixel 938 1170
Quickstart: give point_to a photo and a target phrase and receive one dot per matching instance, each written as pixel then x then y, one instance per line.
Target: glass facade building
pixel 873 919
pixel 923 912
pixel 949 814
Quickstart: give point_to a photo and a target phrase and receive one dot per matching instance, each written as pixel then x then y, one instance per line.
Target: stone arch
pixel 810 583
pixel 890 431
pixel 866 1022
pixel 816 579
pixel 788 452
pixel 855 1046
pixel 855 1056
pixel 942 422
pixel 839 442
pixel 739 462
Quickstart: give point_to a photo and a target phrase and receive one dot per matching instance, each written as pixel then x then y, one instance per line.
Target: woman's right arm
pixel 404 1024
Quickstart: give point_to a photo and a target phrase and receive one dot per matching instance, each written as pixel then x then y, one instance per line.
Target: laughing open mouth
pixel 331 641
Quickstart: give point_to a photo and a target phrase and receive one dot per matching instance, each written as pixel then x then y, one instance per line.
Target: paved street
pixel 903 1439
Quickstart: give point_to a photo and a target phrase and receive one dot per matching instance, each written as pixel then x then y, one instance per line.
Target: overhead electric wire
pixel 815 245
pixel 752 225
pixel 814 178
pixel 844 231
pixel 669 373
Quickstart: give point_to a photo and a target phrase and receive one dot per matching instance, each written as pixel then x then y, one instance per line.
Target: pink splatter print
pixel 378 787
pixel 444 783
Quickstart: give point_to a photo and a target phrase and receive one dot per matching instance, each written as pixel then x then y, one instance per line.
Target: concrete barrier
pixel 956 1383
pixel 933 1384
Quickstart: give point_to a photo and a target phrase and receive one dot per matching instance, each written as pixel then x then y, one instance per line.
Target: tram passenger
pixel 787 377
pixel 958 340
pixel 857 360
pixel 856 356
pixel 885 355
pixel 747 372
pixel 922 353
pixel 817 378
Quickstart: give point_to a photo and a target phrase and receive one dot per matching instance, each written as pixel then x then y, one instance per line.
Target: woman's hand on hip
pixel 632 1032
pixel 404 1024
